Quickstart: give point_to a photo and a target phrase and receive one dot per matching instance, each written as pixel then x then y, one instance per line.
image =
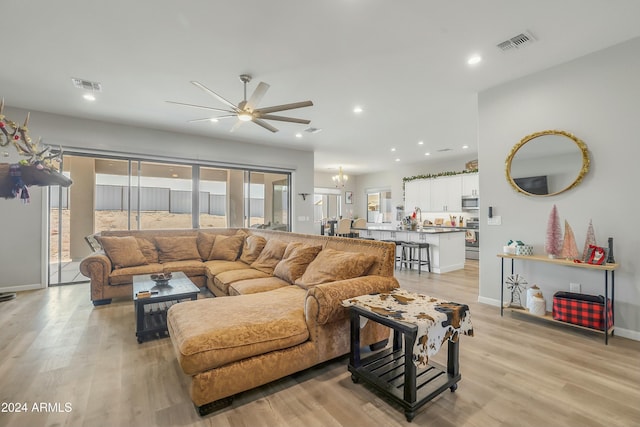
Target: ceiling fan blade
pixel 256 96
pixel 236 126
pixel 212 118
pixel 201 106
pixel 215 95
pixel 265 125
pixel 283 107
pixel 284 119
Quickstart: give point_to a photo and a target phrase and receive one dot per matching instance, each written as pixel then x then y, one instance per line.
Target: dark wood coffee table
pixel 151 312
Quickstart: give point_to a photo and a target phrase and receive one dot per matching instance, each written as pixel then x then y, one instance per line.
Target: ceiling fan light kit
pixel 246 110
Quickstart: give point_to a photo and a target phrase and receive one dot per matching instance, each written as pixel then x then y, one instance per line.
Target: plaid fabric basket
pixel 581 309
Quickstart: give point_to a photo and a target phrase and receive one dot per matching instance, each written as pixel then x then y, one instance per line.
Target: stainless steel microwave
pixel 470 202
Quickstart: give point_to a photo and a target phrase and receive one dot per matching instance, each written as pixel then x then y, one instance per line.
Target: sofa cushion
pixel 252 248
pixel 270 256
pixel 218 266
pixel 296 259
pixel 124 276
pixel 253 286
pixel 226 248
pixel 177 248
pixel 148 249
pixel 204 241
pixel 224 279
pixel 193 267
pixel 213 332
pixel 123 251
pixel 332 265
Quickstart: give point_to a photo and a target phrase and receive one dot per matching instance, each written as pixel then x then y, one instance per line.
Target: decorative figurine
pixel 516 284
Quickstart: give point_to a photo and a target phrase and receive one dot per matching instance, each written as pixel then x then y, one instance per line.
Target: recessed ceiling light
pixel 298 135
pixel 464 147
pixel 420 142
pixel 475 59
pixel 427 154
pixel 213 120
pixel 174 175
pixel 393 149
pixel 357 109
pixel 397 160
pixel 89 97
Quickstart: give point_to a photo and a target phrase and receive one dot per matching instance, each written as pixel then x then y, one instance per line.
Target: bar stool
pixel 411 259
pixel 400 257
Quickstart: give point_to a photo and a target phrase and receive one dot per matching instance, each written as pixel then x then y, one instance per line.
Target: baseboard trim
pixel 20 288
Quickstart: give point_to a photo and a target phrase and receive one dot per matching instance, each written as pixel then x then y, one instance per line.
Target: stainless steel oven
pixel 472 239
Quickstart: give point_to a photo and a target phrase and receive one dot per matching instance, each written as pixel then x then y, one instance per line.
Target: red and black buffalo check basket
pixel 581 309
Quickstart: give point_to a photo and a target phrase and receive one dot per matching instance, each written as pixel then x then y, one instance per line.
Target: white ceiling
pixel 404 62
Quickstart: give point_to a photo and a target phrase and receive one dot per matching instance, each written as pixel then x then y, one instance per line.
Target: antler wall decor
pixel 40 168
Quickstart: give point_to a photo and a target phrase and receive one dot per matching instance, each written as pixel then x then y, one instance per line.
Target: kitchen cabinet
pixel 417 193
pixel 470 184
pixel 446 194
pixel 442 194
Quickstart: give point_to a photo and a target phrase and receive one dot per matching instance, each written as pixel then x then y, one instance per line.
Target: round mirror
pixel 547 163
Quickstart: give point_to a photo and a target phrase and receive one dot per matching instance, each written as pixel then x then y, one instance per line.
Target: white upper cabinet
pixel 470 184
pixel 446 194
pixel 417 193
pixel 442 194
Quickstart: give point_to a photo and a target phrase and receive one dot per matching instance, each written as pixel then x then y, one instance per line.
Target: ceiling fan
pixel 246 110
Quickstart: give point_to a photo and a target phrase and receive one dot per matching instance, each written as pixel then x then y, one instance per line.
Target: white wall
pixel 596 98
pixel 22 231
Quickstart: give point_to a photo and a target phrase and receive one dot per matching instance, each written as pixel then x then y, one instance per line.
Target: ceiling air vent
pixel 312 130
pixel 442 150
pixel 86 85
pixel 517 42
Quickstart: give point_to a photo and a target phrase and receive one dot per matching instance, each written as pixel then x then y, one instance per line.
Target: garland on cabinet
pixel 436 175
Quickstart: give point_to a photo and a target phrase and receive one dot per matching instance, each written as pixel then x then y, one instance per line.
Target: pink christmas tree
pixel 553 244
pixel 569 248
pixel 590 240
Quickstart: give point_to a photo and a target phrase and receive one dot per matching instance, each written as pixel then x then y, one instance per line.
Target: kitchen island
pixel 447 243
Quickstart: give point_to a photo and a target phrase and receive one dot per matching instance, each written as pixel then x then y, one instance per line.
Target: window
pixel 130 194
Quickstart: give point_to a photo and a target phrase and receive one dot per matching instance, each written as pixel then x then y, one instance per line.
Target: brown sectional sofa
pixel 277 309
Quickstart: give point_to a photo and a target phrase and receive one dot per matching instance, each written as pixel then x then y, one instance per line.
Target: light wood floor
pixel 56 348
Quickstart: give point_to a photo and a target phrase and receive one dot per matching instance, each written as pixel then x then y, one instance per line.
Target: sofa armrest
pixel 324 302
pixel 97 267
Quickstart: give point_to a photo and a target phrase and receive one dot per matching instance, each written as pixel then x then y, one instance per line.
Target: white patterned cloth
pixel 437 320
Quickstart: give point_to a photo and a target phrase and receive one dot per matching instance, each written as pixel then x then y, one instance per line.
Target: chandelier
pixel 341 179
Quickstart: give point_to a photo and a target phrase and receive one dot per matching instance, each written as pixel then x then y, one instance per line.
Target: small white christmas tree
pixel 553 244
pixel 569 248
pixel 590 240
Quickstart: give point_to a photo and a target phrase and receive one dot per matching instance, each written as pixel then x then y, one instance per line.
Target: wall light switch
pixel 574 287
pixel 494 220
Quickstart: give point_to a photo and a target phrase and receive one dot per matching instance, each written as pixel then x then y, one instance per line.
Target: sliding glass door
pixel 126 194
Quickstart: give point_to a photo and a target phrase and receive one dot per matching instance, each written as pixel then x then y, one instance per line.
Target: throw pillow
pixel 148 249
pixel 177 248
pixel 295 261
pixel 205 243
pixel 226 247
pixel 270 256
pixel 253 246
pixel 123 251
pixel 332 265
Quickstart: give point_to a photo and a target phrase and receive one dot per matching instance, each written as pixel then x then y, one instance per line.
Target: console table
pixel 609 270
pixel 404 373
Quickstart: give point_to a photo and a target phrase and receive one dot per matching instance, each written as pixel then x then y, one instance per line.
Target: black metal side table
pixel 392 370
pixel 151 311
